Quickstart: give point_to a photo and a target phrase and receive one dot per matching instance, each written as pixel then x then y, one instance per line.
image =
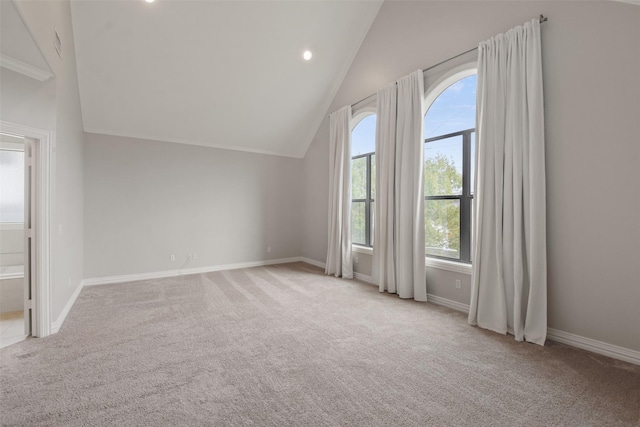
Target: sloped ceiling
pixel 226 74
pixel 16 43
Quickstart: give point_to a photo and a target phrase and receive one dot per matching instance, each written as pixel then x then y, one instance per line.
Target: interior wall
pixel 147 200
pixel 42 18
pixel 592 100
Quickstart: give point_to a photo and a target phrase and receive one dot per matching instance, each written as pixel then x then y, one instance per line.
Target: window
pixel 11 186
pixel 363 180
pixel 449 127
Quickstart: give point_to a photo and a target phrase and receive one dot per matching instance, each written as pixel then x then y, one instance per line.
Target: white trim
pixel 11 146
pixel 635 2
pixel 11 226
pixel 45 142
pixel 362 249
pixel 313 262
pixel 24 68
pixel 364 278
pixel 454 305
pixel 184 272
pixel 89 129
pixel 594 346
pixel 457 267
pixel 57 324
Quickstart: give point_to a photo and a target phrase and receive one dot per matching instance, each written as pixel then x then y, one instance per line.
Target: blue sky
pixel 453 110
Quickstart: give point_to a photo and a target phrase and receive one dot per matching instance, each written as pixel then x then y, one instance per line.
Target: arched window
pixel 363 179
pixel 449 153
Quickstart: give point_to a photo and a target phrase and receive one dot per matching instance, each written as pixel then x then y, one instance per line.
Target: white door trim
pixel 44 148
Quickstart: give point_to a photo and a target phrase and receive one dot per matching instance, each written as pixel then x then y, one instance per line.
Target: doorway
pixel 15 323
pixel 24 233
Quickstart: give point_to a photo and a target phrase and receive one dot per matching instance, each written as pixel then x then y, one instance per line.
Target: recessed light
pixel 307 55
pixel 149 1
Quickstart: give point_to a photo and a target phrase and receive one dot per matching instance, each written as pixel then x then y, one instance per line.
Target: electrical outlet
pixel 355 259
pixel 195 255
pixel 269 249
pixel 173 258
pixel 190 256
pixel 458 284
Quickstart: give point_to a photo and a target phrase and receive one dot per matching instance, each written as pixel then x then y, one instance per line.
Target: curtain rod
pixel 542 19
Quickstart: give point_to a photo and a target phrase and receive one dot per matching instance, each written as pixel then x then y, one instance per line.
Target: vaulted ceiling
pixel 224 74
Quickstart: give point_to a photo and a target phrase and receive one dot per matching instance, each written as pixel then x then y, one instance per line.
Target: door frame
pixel 44 146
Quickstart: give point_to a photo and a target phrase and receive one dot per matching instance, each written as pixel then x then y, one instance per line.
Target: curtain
pixel 398 252
pixel 383 263
pixel 339 260
pixel 509 279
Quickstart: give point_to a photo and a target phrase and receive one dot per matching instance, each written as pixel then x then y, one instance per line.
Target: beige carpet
pixel 286 346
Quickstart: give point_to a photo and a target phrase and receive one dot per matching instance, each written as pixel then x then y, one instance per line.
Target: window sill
pixel 457 267
pixel 362 249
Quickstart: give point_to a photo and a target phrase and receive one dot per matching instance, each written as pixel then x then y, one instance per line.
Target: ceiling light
pixel 149 1
pixel 307 55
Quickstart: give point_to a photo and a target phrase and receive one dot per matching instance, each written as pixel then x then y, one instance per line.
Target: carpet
pixel 284 345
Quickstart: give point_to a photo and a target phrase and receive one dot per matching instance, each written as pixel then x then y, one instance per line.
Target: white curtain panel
pixel 509 283
pixel 383 264
pixel 398 253
pixel 339 261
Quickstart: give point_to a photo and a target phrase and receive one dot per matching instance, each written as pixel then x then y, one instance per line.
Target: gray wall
pixel 592 95
pixel 61 93
pixel 146 200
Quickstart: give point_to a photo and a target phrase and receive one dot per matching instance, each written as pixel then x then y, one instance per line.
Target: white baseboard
pixel 185 271
pixel 57 324
pixel 454 305
pixel 594 346
pixel 312 262
pixel 364 278
pixel 603 348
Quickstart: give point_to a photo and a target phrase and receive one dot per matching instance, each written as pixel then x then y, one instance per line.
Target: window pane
pixel 358 223
pixel 373 220
pixel 359 178
pixel 11 186
pixel 473 161
pixel 442 228
pixel 363 137
pixel 443 167
pixel 373 176
pixel 453 110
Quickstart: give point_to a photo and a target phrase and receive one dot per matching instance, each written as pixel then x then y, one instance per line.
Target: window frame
pixel 466 198
pixel 368 200
pixel 432 92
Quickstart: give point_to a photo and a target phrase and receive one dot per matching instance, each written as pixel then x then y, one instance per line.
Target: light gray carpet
pixel 285 345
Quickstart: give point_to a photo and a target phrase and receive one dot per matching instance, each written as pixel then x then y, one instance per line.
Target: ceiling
pixel 18 50
pixel 226 74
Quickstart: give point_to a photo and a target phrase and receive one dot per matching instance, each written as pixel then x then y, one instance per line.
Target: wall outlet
pixel 458 284
pixel 195 255
pixel 173 258
pixel 269 249
pixel 355 260
pixel 190 256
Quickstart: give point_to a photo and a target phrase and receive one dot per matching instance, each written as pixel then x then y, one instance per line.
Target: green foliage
pixel 442 217
pixel 359 191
